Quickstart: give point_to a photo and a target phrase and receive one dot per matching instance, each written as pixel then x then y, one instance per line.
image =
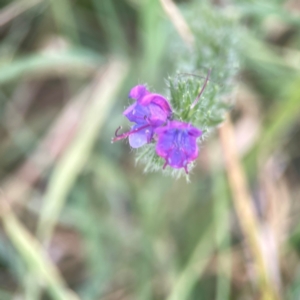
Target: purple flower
pixel 148 112
pixel 177 144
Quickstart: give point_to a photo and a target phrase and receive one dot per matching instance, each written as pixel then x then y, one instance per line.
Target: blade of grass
pixel 35 66
pixel 277 125
pixel 17 185
pixel 153 38
pixel 70 165
pixel 17 33
pixel 5 295
pixel 195 267
pixel 33 289
pixel 110 22
pixel 64 18
pixel 14 9
pixel 200 257
pixel 221 202
pixel 32 253
pixel 244 208
pixel 267 55
pixel 180 24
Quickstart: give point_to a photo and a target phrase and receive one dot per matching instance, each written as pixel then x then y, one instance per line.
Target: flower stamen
pixel 128 133
pixel 165 164
pixel 202 90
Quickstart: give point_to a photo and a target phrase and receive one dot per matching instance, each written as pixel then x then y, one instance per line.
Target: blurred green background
pixel 109 230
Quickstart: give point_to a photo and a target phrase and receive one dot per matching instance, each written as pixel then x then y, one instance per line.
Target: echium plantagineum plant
pixel 167 131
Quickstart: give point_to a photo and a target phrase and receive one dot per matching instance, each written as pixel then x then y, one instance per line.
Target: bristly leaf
pixel 216 50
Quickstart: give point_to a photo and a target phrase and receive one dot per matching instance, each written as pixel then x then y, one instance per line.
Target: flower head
pixel 148 112
pixel 177 144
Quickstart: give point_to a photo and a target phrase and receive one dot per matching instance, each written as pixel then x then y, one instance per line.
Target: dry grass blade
pixel 276 206
pixel 60 135
pixel 194 269
pixel 177 19
pixel 14 9
pixel 72 162
pixel 199 259
pixel 32 253
pixel 244 208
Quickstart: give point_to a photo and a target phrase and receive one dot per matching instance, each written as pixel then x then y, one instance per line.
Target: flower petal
pixel 189 147
pixel 158 100
pixel 138 92
pixel 165 143
pixel 136 113
pixel 177 159
pixel 177 143
pixel 141 137
pixel 149 112
pixel 157 115
pixel 195 132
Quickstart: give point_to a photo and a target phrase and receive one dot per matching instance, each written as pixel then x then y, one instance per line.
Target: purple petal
pixel 148 112
pixel 138 92
pixel 173 141
pixel 129 109
pixel 165 143
pixel 181 125
pixel 141 137
pixel 189 147
pixel 157 115
pixel 136 113
pixel 195 132
pixel 177 143
pixel 161 130
pixel 177 159
pixel 158 100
